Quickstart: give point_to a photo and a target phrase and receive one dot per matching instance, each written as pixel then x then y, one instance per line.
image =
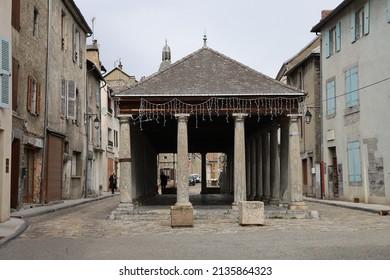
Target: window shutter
pixel 71 100
pixel 80 50
pixel 338 37
pixel 354 167
pixel 38 109
pixel 348 87
pixel 63 98
pixel 388 11
pixel 327 47
pixel 353 23
pixel 331 98
pixel 366 18
pixel 354 86
pixel 15 81
pixel 15 17
pixel 74 43
pixel 29 92
pixel 5 74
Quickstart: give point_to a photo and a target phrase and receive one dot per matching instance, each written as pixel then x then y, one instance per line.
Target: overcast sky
pixel 258 33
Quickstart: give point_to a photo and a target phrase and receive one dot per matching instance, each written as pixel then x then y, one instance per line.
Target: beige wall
pixel 5 124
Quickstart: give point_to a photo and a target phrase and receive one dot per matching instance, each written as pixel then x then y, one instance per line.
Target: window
pixel 76 164
pixel 388 11
pixel 330 98
pixel 110 138
pixel 116 139
pixel 333 40
pixel 97 93
pixel 33 95
pixel 351 87
pixel 360 21
pixel 77 47
pixel 35 24
pixel 15 17
pixel 354 172
pixel 63 24
pixel 68 99
pixel 5 74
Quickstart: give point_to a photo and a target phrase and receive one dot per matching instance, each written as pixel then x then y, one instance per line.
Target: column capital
pixel 294 117
pixel 182 117
pixel 124 118
pixel 239 116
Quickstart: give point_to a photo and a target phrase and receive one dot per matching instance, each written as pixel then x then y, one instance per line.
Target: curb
pixel 15 234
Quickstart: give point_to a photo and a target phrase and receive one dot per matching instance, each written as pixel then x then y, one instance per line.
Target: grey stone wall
pixel 375 169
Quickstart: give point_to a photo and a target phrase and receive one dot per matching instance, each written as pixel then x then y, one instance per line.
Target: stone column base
pixel 274 201
pixel 182 216
pixel 251 213
pixel 298 206
pixel 124 208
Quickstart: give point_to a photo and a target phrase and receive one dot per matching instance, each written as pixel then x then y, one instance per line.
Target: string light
pixel 271 106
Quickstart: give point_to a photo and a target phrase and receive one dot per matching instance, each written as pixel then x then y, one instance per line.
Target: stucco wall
pixel 370 54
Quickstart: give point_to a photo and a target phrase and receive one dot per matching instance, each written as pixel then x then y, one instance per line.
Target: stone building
pixel 49 84
pixel 93 120
pixel 355 84
pixel 208 102
pixel 5 108
pixel 303 72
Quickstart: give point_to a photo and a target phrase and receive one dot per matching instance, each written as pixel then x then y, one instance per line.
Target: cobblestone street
pixel 87 232
pixel 92 221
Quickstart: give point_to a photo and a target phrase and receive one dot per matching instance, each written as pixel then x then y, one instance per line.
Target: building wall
pixel 307 77
pixel 63 67
pixel 29 60
pixel 5 122
pixel 361 123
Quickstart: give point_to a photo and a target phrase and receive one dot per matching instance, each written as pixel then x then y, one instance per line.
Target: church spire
pixel 166 57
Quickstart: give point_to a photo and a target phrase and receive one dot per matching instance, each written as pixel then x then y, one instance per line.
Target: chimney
pixel 325 13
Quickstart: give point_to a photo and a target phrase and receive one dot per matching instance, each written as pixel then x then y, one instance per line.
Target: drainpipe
pixel 322 165
pixel 46 116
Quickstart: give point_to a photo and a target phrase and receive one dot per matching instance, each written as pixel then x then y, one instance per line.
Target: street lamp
pixel 308 116
pixel 96 120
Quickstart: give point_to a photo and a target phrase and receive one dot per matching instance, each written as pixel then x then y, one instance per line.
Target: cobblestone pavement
pixel 91 221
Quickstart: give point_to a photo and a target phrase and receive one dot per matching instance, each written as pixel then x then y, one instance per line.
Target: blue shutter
pixel 354 86
pixel 353 32
pixel 331 104
pixel 5 74
pixel 327 46
pixel 338 36
pixel 348 87
pixel 354 167
pixel 366 18
pixel 388 11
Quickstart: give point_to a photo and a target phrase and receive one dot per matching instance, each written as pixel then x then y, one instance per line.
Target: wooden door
pixel 15 162
pixel 54 168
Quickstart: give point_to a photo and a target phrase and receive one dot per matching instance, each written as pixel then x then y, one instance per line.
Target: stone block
pixel 182 216
pixel 251 213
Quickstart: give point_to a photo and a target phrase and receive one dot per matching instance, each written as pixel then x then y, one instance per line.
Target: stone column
pixel 259 168
pixel 266 166
pixel 239 159
pixel 126 205
pixel 274 166
pixel 183 198
pixel 295 167
pixel 253 168
pixel 284 160
pixel 182 211
pixel 204 174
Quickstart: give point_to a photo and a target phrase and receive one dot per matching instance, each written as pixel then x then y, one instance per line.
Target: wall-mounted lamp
pixel 96 121
pixel 308 115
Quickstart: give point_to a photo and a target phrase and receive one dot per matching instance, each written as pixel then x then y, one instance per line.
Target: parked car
pixel 197 177
pixel 191 180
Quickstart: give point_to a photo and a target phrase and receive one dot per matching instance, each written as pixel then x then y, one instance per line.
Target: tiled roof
pixel 207 72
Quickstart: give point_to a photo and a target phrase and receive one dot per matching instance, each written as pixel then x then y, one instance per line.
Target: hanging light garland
pixel 215 106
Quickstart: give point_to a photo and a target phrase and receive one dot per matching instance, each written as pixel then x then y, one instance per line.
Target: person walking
pixel 113 182
pixel 163 181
